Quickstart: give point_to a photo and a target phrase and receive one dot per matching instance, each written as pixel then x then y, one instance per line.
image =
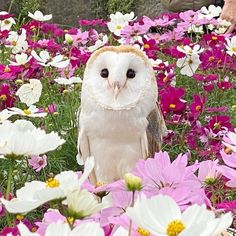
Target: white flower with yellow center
pixel 38 15
pixel 44 59
pixel 160 215
pixel 187 50
pixel 63 229
pixel 231 46
pixel 36 193
pixel 21 59
pixel 32 111
pixel 6 24
pixel 17 41
pixel 22 138
pixel 119 21
pixel 30 93
pixel 189 64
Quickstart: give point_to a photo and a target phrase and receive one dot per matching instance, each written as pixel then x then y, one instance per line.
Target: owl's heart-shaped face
pixel 118 77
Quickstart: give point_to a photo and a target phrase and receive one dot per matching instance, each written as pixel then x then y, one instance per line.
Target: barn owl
pixel 119 121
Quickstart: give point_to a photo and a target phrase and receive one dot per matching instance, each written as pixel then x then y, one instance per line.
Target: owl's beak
pixel 116 88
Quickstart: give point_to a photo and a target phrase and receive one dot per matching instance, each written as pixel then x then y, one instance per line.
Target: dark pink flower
pixel 6 97
pixel 197 106
pixel 172 101
pixel 217 123
pixel 227 206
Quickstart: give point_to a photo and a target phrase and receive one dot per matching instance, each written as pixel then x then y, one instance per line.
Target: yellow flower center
pixel 71 220
pixel 198 108
pixel 227 150
pixel 217 125
pixel 99 184
pixel 7 69
pixel 13 43
pixel 209 180
pixel 7 22
pixel 143 232
pixel 33 229
pixel 214 38
pixel 118 27
pixel 165 79
pixel 146 45
pixel 175 227
pixel 172 106
pixel 211 59
pixel 3 97
pixel 190 51
pixel 27 111
pixel 52 183
pixel 19 217
pixel 234 49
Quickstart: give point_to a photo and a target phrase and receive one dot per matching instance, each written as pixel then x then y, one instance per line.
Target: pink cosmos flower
pixel 38 162
pixel 171 100
pixel 9 72
pixel 6 96
pixel 197 106
pixel 208 171
pixel 217 123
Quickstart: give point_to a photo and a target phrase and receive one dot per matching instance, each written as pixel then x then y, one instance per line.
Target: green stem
pixel 9 180
pixel 11 3
pixel 130 222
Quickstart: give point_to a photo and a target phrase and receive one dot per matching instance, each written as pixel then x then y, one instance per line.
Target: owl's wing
pixel 155 131
pixel 83 142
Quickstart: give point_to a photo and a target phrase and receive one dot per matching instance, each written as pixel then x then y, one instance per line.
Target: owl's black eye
pixel 104 73
pixel 130 74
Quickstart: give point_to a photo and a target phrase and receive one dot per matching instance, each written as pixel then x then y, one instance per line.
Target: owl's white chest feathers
pixel 115 136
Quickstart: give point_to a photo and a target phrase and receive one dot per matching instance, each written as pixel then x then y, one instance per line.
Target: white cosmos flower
pixel 32 111
pixel 189 64
pixel 38 15
pixel 160 215
pixel 196 29
pixel 17 41
pixel 30 93
pixel 222 27
pixel 210 12
pixel 21 59
pixel 63 229
pixel 23 138
pixel 70 81
pixel 99 43
pixel 187 50
pixel 82 203
pixel 36 193
pixel 5 115
pixel 231 46
pixel 44 59
pixel 7 23
pixel 119 21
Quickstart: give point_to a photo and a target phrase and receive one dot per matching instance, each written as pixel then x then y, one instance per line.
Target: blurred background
pixel 67 12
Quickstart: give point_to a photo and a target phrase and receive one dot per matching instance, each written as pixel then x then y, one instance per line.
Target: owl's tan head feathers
pixel 119 49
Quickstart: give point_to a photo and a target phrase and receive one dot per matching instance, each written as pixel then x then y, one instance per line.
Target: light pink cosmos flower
pixel 229 171
pixel 175 179
pixel 38 162
pixel 208 171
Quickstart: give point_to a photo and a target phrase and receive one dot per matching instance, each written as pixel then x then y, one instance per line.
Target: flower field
pixel 189 188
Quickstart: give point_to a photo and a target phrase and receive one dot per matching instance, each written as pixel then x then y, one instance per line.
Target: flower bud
pixel 82 203
pixel 132 182
pixel 69 39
